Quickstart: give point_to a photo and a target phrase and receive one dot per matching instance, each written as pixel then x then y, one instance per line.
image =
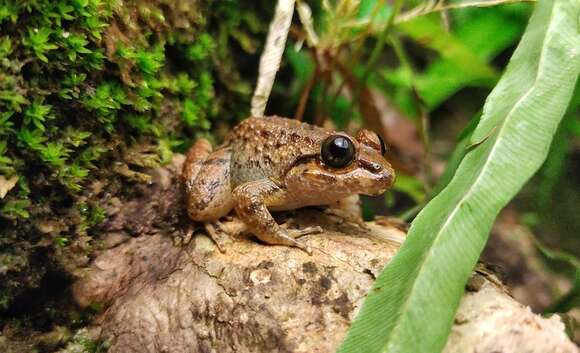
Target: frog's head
pixel 345 165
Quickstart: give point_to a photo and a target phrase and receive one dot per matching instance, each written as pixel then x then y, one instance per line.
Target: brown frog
pixel 274 163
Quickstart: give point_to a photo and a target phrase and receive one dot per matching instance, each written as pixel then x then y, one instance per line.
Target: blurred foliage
pixel 571 299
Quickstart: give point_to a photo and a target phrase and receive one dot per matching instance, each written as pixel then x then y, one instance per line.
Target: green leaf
pixel 465 53
pixel 76 44
pixel 14 99
pixel 61 241
pixel 374 11
pixel 182 84
pixel 410 186
pixel 106 99
pixel 412 304
pixel 75 137
pixel 5 47
pixel 6 125
pixel 555 163
pixel 6 162
pixel 485 36
pixel 427 30
pixel 192 115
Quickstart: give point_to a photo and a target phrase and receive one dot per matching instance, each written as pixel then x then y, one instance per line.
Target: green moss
pixel 82 343
pixel 52 94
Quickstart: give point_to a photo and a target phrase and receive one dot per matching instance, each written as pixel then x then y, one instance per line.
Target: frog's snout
pixel 388 176
pixel 384 179
pixel 380 173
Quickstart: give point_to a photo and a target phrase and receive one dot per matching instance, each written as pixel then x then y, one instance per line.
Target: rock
pixel 261 298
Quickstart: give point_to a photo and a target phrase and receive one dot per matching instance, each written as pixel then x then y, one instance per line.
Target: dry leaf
pixel 7 184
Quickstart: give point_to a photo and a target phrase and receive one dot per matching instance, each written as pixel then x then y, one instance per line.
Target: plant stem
pixel 375 53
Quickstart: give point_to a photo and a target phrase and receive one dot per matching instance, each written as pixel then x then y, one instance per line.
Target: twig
pixel 305 16
pixel 272 55
pixel 305 94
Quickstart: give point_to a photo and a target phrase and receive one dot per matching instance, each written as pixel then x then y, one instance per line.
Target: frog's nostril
pixel 370 166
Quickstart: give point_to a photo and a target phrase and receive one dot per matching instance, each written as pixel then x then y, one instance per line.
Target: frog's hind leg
pixel 196 156
pixel 223 230
pixel 216 233
pixel 208 182
pixel 297 233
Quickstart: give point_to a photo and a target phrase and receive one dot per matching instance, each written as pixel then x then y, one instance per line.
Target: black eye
pixel 337 151
pixel 383 146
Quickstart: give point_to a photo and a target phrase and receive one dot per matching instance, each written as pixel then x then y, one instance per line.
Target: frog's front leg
pixel 252 200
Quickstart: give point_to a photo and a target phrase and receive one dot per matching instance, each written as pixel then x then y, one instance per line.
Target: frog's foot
pixel 297 233
pixel 283 236
pixel 343 216
pixel 187 235
pixel 218 235
pixel 287 237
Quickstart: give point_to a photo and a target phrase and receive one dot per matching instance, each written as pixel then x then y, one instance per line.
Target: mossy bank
pixel 93 93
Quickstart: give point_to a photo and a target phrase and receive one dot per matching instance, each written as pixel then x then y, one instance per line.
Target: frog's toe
pixel 301 246
pixel 185 237
pixel 219 237
pixel 297 233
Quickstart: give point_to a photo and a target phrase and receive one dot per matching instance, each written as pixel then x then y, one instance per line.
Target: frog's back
pixel 269 146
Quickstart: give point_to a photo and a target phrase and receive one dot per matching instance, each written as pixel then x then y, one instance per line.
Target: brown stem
pixel 305 94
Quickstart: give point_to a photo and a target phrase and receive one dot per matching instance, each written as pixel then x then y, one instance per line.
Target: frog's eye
pixel 337 151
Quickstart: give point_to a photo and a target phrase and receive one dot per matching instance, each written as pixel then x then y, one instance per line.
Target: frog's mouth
pixel 305 159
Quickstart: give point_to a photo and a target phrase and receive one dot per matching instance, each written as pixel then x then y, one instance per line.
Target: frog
pixel 269 164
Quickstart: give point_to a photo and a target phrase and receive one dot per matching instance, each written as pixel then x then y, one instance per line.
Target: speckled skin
pixel 274 163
